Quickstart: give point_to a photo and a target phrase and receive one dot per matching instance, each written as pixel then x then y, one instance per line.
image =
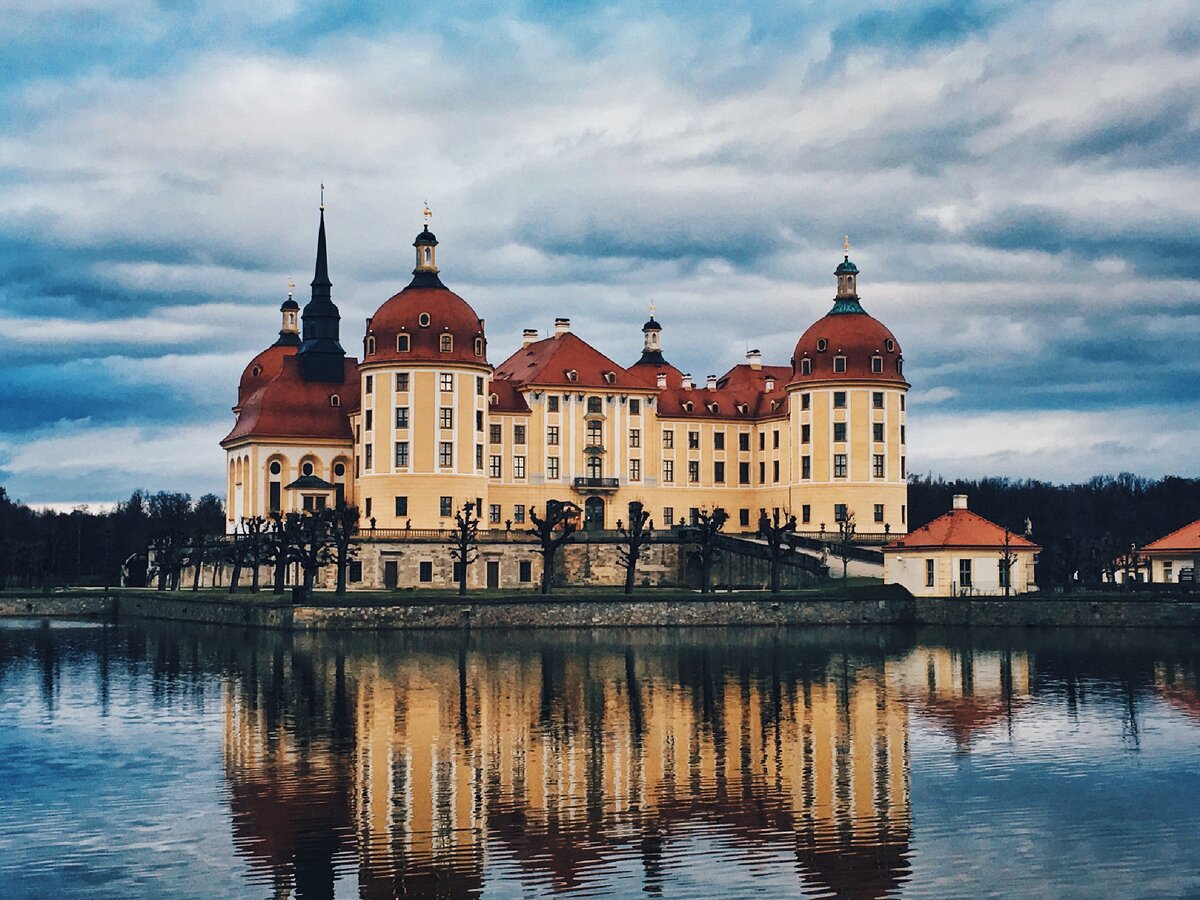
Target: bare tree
pixel 340 524
pixel 308 544
pixel 255 529
pixel 845 545
pixel 776 533
pixel 633 539
pixel 278 551
pixel 708 526
pixel 464 544
pixel 552 532
pixel 1008 556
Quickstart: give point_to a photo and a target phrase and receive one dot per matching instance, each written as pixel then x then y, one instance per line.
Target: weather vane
pixel 652 308
pixel 428 213
pixel 322 198
pixel 847 246
pixel 291 287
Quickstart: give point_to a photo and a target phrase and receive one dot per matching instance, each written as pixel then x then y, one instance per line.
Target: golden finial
pixel 428 213
pixel 291 287
pixel 846 244
pixel 322 198
pixel 652 308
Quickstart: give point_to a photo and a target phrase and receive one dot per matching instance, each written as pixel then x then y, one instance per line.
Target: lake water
pixel 186 761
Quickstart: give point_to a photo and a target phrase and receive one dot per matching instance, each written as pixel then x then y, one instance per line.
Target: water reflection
pixel 458 766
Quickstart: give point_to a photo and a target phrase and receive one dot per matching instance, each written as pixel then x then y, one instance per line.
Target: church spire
pixel 321 355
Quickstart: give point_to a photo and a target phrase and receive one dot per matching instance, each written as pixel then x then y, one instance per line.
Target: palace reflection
pixel 427 766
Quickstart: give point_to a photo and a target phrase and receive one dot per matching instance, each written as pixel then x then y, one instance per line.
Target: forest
pixel 1083 529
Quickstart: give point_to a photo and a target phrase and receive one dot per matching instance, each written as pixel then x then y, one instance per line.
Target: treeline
pixel 1083 529
pixel 43 549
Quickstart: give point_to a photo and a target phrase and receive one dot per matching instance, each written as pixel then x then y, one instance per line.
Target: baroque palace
pixel 425 422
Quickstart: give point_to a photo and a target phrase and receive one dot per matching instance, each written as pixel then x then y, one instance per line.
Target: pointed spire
pixel 321 355
pixel 321 275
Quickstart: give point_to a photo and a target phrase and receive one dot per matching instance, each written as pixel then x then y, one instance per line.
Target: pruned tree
pixel 255 530
pixel 169 515
pixel 341 523
pixel 464 543
pixel 552 532
pixel 776 532
pixel 1008 558
pixel 708 526
pixel 278 551
pixel 633 539
pixel 845 544
pixel 308 544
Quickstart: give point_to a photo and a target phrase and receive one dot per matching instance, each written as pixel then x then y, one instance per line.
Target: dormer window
pixel 839 364
pixel 877 365
pixel 479 346
pixel 712 407
pixel 822 345
pixel 900 365
pixel 572 375
pixel 610 377
pixel 891 346
pixel 402 343
pixel 256 371
pixel 493 399
pixel 423 320
pixel 687 406
pixel 806 367
pixel 335 400
pixel 447 343
pixel 370 345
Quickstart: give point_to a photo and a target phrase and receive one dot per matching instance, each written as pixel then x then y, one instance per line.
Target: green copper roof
pixel 846 267
pixel 846 305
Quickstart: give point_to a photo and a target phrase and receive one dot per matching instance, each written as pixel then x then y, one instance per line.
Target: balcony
pixel 597 484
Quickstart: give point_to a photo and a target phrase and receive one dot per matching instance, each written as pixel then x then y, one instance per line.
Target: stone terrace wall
pixel 1124 612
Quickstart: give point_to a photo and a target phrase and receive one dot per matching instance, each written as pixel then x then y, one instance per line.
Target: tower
pixel 322 358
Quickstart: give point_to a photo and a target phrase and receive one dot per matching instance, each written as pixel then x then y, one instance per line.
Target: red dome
pixel 262 369
pixel 854 336
pixel 425 315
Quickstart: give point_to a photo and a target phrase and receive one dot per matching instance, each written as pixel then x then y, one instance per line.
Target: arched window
pixel 447 343
pixel 572 375
pixel 479 346
pixel 806 367
pixel 370 345
pixel 423 320
pixel 900 365
pixel 335 400
pixel 402 343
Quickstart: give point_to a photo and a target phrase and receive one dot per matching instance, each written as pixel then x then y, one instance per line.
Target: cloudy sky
pixel 1020 182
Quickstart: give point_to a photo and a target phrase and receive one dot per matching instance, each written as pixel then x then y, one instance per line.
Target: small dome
pixel 846 268
pixel 289 304
pixel 425 315
pixel 855 337
pixel 651 326
pixel 425 237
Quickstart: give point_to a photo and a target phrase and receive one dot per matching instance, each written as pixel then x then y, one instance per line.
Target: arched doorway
pixel 593 514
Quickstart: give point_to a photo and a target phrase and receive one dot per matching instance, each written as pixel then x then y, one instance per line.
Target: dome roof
pixel 289 303
pixel 846 267
pixel 425 313
pixel 651 326
pixel 425 237
pixel 263 368
pixel 854 336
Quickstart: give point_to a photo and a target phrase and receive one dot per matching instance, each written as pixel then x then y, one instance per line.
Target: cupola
pixel 289 330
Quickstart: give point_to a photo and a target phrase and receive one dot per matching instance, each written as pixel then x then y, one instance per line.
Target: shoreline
pixel 866 606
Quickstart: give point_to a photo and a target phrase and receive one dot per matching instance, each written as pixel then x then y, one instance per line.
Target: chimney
pixel 712 382
pixel 755 359
pixel 562 326
pixel 770 384
pixel 528 336
pixel 686 382
pixel 960 501
pixel 661 380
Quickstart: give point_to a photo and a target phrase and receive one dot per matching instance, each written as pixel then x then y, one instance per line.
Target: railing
pixel 607 483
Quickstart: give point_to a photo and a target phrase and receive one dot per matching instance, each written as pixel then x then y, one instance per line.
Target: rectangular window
pixel 668 516
pixel 775 471
pixel 877 399
pixel 446 417
pixel 839 399
pixel 401 416
pixel 445 506
pixel 494 434
pixel 401 506
pixel 518 434
pixel 929 572
pixel 479 420
pixel 762 440
pixel 595 405
pixel 877 432
pixel 901 403
pixel 552 436
pixel 668 439
pixel 902 434
pixel 806 367
pixel 719 472
pixel 839 465
pixel 903 514
pixel 693 471
pixel 806 467
pixel 494 513
pixel 903 468
pixel 877 364
pixel 369 384
pixel 402 454
pixel 718 440
pixel 635 406
pixel 762 473
pixel 595 434
pixel 369 419
pixel 839 512
pixel 552 404
pixel 775 439
pixel 447 343
pixel 518 467
pixel 806 513
pixel 355 571
pixel 744 473
pixel 839 432
pixel 635 470
pixel 446 453
pixel 744 518
pixel 479 456
pixel 877 465
pixel 401 381
pixel 552 467
pixel 668 471
pixel 368 457
pixel 276 496
pixel 878 512
pixel 839 364
pixel 519 513
pixel 494 466
pixel 693 440
pixel 805 401
pixel 635 437
pixel 368 507
pixel 525 571
pixel 964 573
pixel 805 434
pixel 447 381
pixel 426 571
pixel 478 385
pixel 693 515
pixel 744 441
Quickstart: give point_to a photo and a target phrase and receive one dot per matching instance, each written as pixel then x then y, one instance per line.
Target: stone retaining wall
pixel 58 605
pixel 1117 612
